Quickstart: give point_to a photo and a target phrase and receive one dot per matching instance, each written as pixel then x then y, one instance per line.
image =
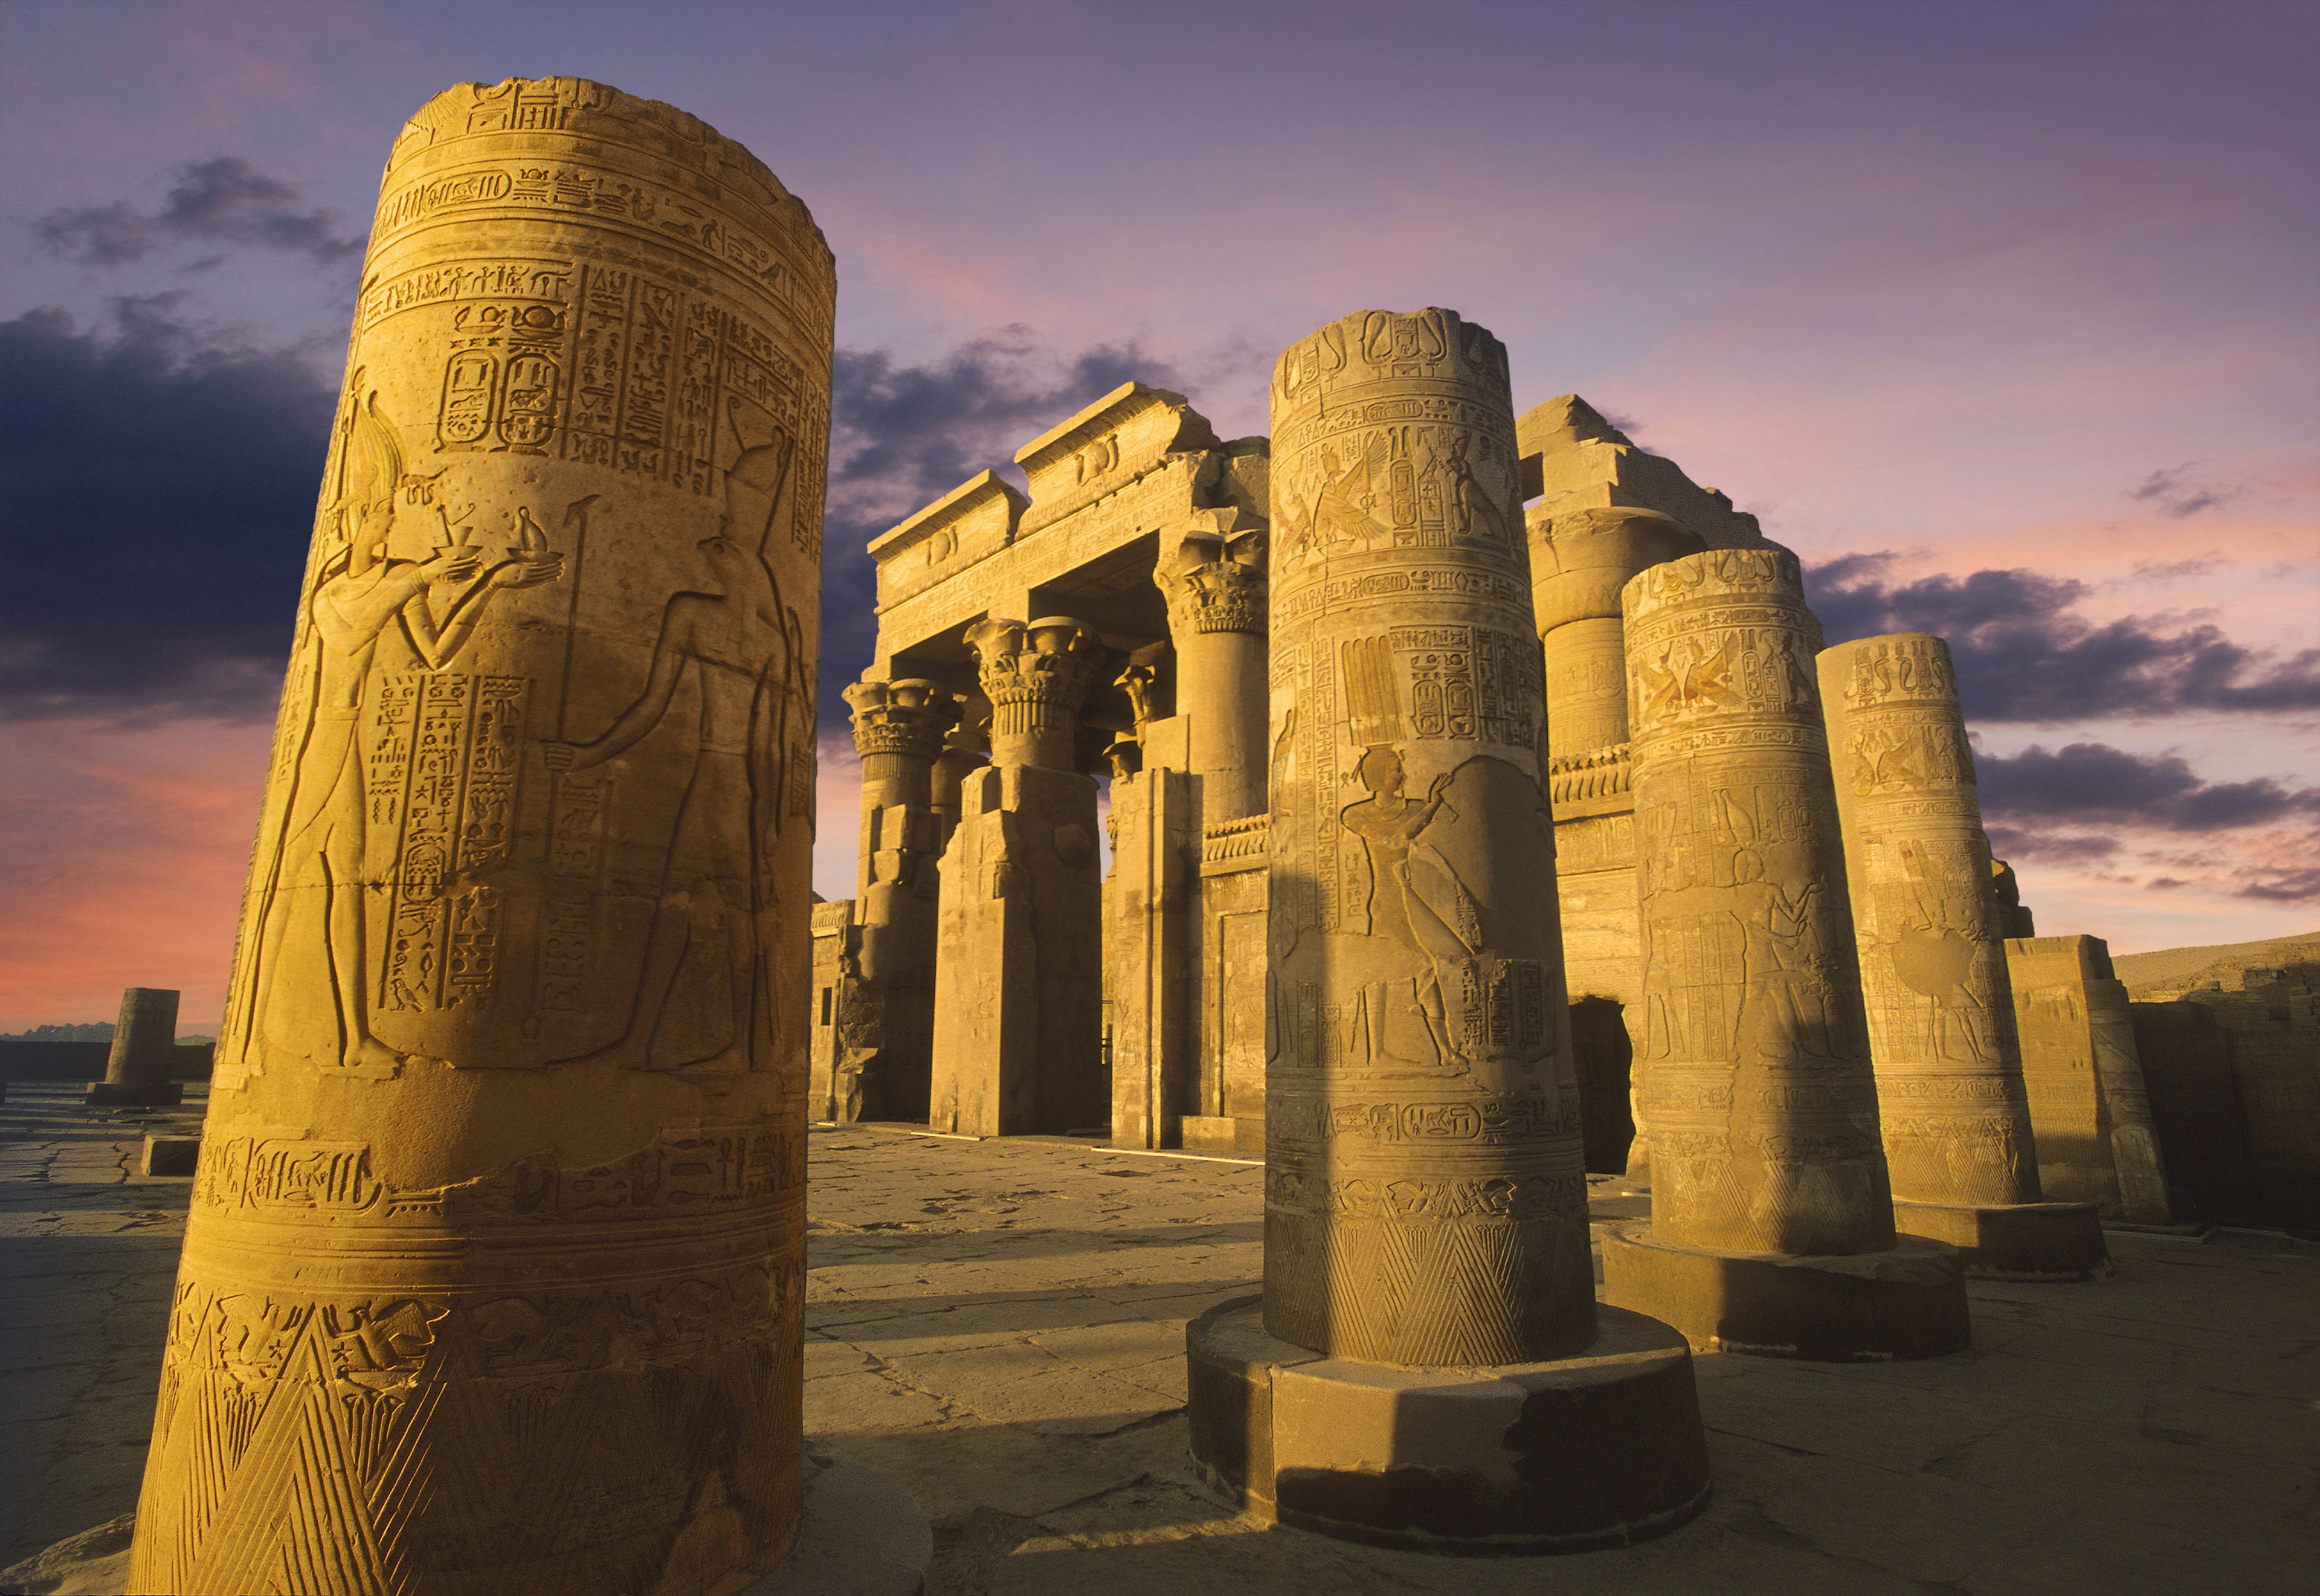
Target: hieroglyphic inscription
pixel 440 768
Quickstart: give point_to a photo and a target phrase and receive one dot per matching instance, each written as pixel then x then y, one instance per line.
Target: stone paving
pixel 999 1325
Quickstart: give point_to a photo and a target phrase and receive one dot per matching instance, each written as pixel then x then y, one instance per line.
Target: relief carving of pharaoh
pixel 363 596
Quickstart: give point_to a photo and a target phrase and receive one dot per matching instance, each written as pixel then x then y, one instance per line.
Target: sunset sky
pixel 2004 316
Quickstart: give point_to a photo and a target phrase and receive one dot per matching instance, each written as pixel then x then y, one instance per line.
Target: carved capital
pixel 1037 675
pixel 906 717
pixel 1217 584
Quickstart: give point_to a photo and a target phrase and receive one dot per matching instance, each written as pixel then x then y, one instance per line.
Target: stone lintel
pixel 1107 446
pixel 968 524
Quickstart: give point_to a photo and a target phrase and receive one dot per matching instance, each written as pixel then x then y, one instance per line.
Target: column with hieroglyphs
pixel 1950 1097
pixel 1579 561
pixel 899 731
pixel 1772 1226
pixel 144 1046
pixel 491 1278
pixel 1413 1371
pixel 1019 972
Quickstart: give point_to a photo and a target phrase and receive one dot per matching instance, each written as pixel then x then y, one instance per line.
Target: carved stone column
pixel 1579 562
pixel 966 748
pixel 144 1045
pixel 1950 1095
pixel 899 728
pixel 1036 677
pixel 1019 976
pixel 1425 1204
pixel 492 1275
pixel 1771 1226
pixel 1216 591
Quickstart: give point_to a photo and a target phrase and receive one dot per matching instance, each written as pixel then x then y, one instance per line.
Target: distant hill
pixel 2169 972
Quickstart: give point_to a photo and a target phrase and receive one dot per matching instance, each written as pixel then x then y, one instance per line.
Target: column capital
pixel 906 717
pixel 1217 583
pixel 1034 672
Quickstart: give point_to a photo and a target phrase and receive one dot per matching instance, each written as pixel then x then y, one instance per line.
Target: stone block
pixel 1600 1450
pixel 2014 1240
pixel 1908 1301
pixel 135 1095
pixel 169 1155
pixel 1224 1133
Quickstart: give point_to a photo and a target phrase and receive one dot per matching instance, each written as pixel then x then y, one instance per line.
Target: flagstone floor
pixel 999 1326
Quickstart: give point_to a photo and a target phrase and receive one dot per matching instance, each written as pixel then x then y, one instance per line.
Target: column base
pixel 2014 1240
pixel 1862 1308
pixel 1601 1449
pixel 127 1094
pixel 1222 1133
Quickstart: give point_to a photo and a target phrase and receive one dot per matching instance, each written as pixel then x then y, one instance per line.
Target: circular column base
pixel 2014 1240
pixel 1857 1307
pixel 149 1094
pixel 1601 1449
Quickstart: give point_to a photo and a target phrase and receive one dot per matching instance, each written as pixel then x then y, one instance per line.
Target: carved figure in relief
pixel 1342 508
pixel 743 645
pixel 1690 671
pixel 1388 822
pixel 1470 506
pixel 360 596
pixel 1788 1007
pixel 1935 939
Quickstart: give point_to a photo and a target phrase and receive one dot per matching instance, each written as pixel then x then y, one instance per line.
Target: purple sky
pixel 2004 316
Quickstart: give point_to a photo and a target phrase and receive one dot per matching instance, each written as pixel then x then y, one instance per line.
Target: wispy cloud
pixel 224 200
pixel 2174 491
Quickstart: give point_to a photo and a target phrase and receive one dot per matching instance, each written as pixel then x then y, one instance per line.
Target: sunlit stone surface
pixel 491 1282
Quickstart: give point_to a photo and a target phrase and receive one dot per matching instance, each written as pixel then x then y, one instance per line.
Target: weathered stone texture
pixel 1932 963
pixel 2090 1110
pixel 1425 1199
pixel 1761 1105
pixel 144 1044
pixel 491 1278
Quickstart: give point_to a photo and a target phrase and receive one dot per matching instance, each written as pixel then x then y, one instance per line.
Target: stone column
pixel 2089 1103
pixel 1216 591
pixel 966 748
pixel 1950 1097
pixel 1771 1226
pixel 144 1045
pixel 1579 562
pixel 898 728
pixel 1037 675
pixel 1425 1204
pixel 492 1272
pixel 1018 969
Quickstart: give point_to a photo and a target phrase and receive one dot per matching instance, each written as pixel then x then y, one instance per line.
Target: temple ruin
pixel 1124 602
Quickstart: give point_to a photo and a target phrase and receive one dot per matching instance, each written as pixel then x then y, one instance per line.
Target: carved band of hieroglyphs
pixel 440 770
pixel 604 198
pixel 1488 1121
pixel 1417 1200
pixel 1468 683
pixel 1310 598
pixel 700 1171
pixel 614 368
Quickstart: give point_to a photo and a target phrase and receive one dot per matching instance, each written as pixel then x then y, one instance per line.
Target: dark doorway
pixel 1603 1054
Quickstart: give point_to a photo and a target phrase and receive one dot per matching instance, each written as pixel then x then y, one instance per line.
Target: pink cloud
pixel 122 850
